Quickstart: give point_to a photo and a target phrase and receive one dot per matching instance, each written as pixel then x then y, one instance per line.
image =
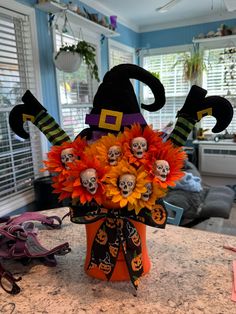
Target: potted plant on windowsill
pixel 70 57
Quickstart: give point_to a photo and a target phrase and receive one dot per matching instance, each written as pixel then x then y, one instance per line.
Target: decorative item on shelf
pixel 69 58
pixel 225 30
pixel 194 64
pixel 113 22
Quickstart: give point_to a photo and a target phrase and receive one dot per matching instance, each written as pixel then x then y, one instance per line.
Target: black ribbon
pixel 117 230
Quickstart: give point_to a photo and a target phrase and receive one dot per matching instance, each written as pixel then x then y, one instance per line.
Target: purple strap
pixel 127 119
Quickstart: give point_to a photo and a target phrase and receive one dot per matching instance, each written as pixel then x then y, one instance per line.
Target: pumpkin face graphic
pixel 136 262
pixel 106 268
pixel 158 214
pixel 110 223
pixel 101 237
pixel 120 223
pixel 136 239
pixel 113 250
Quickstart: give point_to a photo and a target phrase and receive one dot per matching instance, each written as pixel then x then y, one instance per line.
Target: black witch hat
pixel 115 104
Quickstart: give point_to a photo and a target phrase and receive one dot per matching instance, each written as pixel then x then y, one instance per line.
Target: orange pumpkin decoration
pixel 113 250
pixel 158 214
pixel 110 223
pixel 136 262
pixel 101 237
pixel 136 239
pixel 106 268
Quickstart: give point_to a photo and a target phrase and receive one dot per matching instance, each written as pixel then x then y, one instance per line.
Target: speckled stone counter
pixel 191 273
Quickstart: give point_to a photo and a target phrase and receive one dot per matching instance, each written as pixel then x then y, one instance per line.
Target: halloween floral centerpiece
pixel 118 169
pixel 121 179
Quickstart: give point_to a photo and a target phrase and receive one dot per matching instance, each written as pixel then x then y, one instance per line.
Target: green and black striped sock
pixel 182 129
pixel 49 127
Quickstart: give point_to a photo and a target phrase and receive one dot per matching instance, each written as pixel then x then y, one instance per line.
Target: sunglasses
pixel 8 282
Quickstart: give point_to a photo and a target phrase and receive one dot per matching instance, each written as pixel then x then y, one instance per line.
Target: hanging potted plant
pixel 70 57
pixel 193 65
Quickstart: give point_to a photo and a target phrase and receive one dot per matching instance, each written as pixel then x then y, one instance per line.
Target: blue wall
pixel 179 35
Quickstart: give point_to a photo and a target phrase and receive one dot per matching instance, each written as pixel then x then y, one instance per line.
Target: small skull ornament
pixel 139 146
pixel 88 179
pixel 145 196
pixel 114 154
pixel 67 155
pixel 161 169
pixel 127 184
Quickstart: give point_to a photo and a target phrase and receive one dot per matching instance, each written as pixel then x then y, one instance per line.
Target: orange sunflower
pixel 125 184
pixel 150 140
pixel 149 198
pixel 54 162
pixel 85 180
pixel 108 149
pixel 170 157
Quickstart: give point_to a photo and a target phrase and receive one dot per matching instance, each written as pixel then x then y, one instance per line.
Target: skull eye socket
pixel 117 153
pixel 85 182
pixel 93 179
pixel 130 184
pixel 122 183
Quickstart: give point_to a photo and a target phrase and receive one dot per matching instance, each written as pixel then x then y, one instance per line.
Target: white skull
pixel 114 154
pixel 139 146
pixel 145 196
pixel 67 155
pixel 161 169
pixel 88 179
pixel 127 184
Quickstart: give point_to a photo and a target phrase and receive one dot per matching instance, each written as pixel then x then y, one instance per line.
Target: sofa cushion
pixel 218 202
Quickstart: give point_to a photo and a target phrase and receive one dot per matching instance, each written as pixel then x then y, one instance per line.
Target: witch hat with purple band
pixel 115 104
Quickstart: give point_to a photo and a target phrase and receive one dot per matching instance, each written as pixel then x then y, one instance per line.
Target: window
pixel 119 54
pixel 20 160
pixel 171 76
pixel 220 79
pixel 76 91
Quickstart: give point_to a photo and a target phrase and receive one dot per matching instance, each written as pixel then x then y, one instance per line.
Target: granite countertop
pixel 191 273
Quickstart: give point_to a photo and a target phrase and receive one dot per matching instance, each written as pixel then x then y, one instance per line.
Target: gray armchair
pixel 199 206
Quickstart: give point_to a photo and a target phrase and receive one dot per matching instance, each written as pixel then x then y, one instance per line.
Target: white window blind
pixel 20 160
pixel 176 88
pixel 220 79
pixel 76 91
pixel 119 54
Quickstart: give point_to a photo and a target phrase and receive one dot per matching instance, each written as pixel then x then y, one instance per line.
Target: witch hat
pixel 115 104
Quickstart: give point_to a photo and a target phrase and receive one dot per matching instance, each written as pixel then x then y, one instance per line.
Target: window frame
pixel 121 47
pixel 159 52
pixel 90 37
pixel 14 202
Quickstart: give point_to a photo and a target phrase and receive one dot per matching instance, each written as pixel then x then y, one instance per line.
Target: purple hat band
pixel 127 119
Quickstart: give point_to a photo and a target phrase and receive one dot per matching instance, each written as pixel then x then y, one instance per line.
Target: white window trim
pixel 116 44
pixel 161 51
pixel 22 199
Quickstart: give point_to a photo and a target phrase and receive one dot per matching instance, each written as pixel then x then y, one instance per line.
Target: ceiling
pixel 141 15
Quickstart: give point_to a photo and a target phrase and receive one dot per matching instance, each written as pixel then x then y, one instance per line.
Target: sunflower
pixel 54 164
pixel 153 140
pixel 136 177
pixel 74 186
pixel 108 149
pixel 148 201
pixel 174 156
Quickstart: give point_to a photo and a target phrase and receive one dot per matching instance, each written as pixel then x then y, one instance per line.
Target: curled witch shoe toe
pixel 18 240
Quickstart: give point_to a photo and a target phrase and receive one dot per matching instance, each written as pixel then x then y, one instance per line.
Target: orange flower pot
pixel 120 272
